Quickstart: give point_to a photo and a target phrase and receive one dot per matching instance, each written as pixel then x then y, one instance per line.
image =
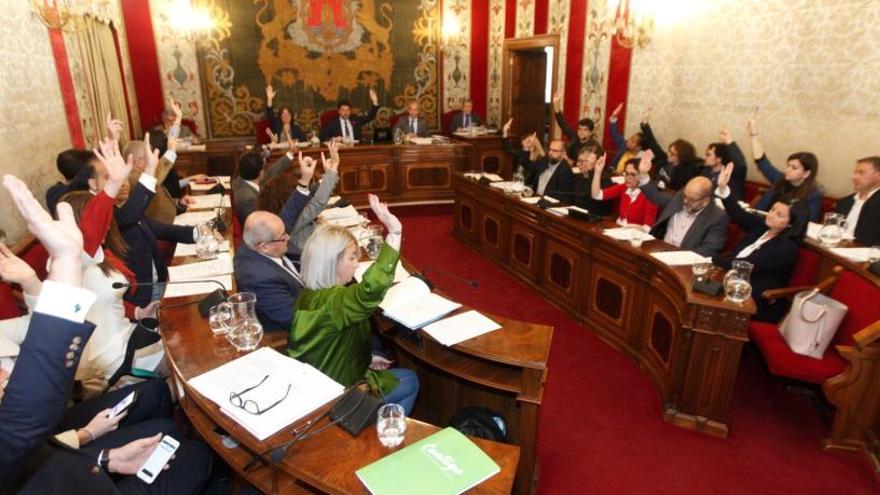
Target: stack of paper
pixel 559 210
pixel 627 233
pixel 445 463
pixel 461 327
pixel 859 255
pixel 198 286
pixel 309 389
pixel 412 304
pixel 222 265
pixel 400 273
pixel 677 258
pixel 190 249
pixel 194 217
pixel 209 201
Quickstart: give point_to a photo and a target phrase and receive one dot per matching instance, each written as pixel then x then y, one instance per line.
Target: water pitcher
pixel 832 230
pixel 737 288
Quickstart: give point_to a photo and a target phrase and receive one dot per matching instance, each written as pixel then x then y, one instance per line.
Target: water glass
pixel 374 241
pixel 218 319
pixel 635 237
pixel 701 272
pixel 245 335
pixel 391 425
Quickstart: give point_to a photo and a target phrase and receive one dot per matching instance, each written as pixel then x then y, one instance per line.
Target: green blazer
pixel 331 327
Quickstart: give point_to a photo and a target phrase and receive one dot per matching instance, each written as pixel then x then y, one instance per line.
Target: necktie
pixel 347 132
pixel 467 120
pixel 412 126
pixel 292 269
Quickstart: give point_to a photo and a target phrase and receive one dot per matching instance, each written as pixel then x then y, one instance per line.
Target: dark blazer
pixel 707 234
pixel 275 288
pixel 403 125
pixel 561 183
pixel 773 262
pixel 36 395
pixel 868 226
pixel 737 182
pixel 520 159
pixel 276 126
pixel 583 195
pixel 458 121
pixel 674 177
pixel 334 127
pixel 574 143
pixel 244 196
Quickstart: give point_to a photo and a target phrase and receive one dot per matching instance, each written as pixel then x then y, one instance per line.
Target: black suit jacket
pixel 583 195
pixel 707 234
pixel 868 225
pixel 458 121
pixel 334 127
pixel 36 395
pixel 561 183
pixel 773 262
pixel 275 287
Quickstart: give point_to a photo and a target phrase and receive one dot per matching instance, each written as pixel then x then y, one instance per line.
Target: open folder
pixel 412 304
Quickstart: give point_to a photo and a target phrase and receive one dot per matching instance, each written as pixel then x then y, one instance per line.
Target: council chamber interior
pixel 437 246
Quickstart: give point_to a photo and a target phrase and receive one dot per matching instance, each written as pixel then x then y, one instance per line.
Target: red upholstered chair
pixel 191 125
pixel 10 305
pixel 446 122
pixel 806 271
pixel 394 118
pixel 35 255
pixel 327 116
pixel 260 127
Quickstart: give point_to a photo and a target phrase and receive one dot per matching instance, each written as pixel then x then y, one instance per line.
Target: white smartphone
pixel 157 460
pixel 123 404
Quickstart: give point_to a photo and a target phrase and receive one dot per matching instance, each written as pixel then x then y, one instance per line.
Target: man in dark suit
pixel 466 117
pixel 412 124
pixel 690 219
pixel 348 126
pixel 862 209
pixel 552 175
pixel 251 172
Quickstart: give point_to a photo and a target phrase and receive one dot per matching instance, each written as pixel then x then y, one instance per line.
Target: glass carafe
pixel 519 181
pixel 244 329
pixel 737 288
pixel 832 230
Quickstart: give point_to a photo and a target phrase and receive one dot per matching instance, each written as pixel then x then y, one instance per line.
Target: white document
pixel 224 179
pixel 400 273
pixel 309 389
pixel 203 187
pixel 222 265
pixel 578 209
pixel 210 201
pixel 680 258
pixel 194 217
pixel 197 287
pixel 190 249
pixel 334 213
pixel 533 200
pixel 478 176
pixel 559 210
pixel 859 255
pixel 421 140
pixel 626 233
pixel 461 327
pixel 412 304
pixel 813 229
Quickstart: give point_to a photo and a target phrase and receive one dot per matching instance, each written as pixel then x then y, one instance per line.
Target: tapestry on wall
pixel 315 53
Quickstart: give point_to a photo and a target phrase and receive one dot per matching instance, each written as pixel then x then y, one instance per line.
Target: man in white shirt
pixel 412 124
pixel 862 209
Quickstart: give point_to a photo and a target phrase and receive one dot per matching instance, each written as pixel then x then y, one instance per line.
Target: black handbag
pixel 355 411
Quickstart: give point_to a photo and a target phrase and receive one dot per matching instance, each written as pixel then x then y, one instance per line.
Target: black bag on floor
pixel 481 423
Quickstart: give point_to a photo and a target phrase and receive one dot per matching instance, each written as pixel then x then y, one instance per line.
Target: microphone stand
pixel 205 303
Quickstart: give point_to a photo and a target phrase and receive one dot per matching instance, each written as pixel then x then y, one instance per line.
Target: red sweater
pixel 641 212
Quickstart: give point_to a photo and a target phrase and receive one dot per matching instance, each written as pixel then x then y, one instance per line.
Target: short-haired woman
pixel 331 327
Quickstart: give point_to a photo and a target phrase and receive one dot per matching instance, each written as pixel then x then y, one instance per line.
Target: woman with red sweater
pixel 634 208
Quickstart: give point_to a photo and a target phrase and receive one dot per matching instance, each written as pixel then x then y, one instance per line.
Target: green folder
pixel 445 463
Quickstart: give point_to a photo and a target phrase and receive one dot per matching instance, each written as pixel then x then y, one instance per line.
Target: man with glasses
pixel 553 177
pixel 690 219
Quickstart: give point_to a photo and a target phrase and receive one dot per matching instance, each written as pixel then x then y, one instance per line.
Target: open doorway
pixel 528 82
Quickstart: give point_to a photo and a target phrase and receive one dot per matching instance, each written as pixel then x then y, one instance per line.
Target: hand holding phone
pixel 158 459
pixel 123 405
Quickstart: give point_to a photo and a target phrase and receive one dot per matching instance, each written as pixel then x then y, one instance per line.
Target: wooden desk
pixel 688 343
pixel 488 154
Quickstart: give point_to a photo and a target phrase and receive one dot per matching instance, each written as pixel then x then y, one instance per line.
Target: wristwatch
pixel 104 460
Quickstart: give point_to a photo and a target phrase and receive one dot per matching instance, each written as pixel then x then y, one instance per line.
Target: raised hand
pixel 391 222
pixel 306 169
pixel 152 156
pixel 175 107
pixel 131 456
pixel 600 165
pixel 724 176
pixel 506 129
pixel 61 238
pixel 646 116
pixel 333 163
pixel 752 125
pixel 557 97
pixel 270 95
pixel 113 127
pixel 645 162
pixel 102 423
pixel 726 136
pixel 117 168
pixel 616 113
pixel 273 138
pixel 14 270
pixel 374 97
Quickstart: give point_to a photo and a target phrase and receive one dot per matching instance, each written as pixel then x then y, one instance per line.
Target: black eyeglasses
pixel 251 406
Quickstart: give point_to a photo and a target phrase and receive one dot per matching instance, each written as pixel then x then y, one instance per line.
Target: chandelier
pixel 631 24
pixel 66 14
pixel 200 21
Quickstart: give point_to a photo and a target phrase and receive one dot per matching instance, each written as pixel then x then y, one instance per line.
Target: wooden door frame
pixel 530 43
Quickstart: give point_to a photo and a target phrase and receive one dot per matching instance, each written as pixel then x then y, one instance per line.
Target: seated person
pixel 331 325
pixel 71 164
pixel 798 181
pixel 552 176
pixel 35 396
pixel 633 208
pixel 770 245
pixel 577 139
pixel 862 209
pixel 163 207
pixel 172 117
pixel 248 176
pixel 283 128
pixel 412 124
pixel 466 117
pixel 689 219
pixel 582 196
pixel 524 158
pixel 720 153
pixel 628 148
pixel 675 168
pixel 348 126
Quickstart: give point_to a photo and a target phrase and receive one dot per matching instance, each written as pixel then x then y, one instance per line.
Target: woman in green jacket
pixel 331 327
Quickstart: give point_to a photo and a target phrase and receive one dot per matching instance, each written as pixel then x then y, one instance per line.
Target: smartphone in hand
pixel 123 405
pixel 158 459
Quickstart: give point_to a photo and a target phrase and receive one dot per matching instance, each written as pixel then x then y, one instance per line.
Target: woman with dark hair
pixel 675 167
pixel 771 245
pixel 797 181
pixel 282 125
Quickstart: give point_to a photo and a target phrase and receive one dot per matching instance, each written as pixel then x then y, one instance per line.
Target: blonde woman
pixel 331 328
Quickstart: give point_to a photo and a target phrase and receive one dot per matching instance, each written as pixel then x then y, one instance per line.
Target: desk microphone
pixel 217 223
pixel 205 304
pixel 473 284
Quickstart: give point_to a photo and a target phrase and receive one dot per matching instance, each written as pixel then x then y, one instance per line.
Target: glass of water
pixel 374 241
pixel 218 319
pixel 245 335
pixel 391 425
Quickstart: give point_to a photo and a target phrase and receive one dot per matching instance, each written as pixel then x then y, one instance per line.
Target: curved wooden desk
pixel 688 343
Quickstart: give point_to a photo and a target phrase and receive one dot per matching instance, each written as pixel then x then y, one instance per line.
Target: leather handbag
pixel 355 411
pixel 811 323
